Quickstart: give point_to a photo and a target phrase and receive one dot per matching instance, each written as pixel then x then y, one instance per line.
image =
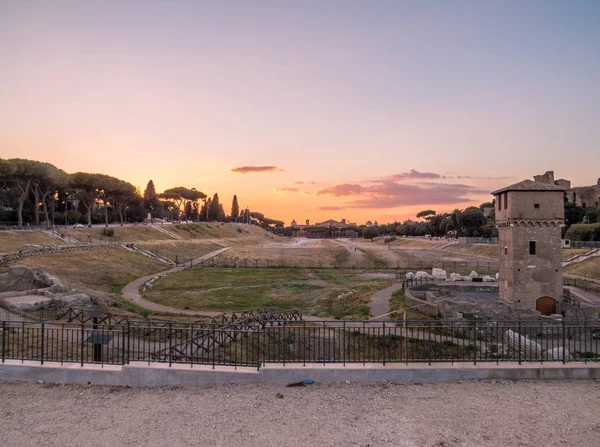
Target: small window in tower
pixel 532 248
pixel 505 200
pixel 499 201
pixel 536 206
pixel 505 251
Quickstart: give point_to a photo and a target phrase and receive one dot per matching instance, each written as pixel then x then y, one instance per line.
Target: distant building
pixel 335 224
pixel 583 196
pixel 369 224
pixel 293 223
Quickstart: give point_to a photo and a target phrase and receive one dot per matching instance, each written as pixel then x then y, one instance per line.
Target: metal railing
pixel 583 285
pixel 303 342
pixel 585 244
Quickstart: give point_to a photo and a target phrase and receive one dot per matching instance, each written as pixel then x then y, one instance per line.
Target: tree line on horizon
pixel 32 192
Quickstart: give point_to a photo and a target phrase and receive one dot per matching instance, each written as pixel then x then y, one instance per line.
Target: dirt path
pixel 131 292
pixel 380 303
pixel 553 413
pixel 355 252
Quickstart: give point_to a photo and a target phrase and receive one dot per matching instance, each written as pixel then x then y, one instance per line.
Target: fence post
pixel 258 350
pixel 519 342
pixel 304 343
pixel 429 335
pixel 42 350
pixel 384 344
pixel 82 337
pixel 170 343
pixel 584 341
pixel 475 343
pixel 128 341
pixel 344 338
pixel 214 342
pixel 123 344
pixel 3 341
pixel 563 342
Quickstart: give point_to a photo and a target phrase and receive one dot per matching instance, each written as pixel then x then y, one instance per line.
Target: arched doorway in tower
pixel 545 305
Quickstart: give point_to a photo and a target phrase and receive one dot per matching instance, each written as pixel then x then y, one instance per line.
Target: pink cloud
pixel 330 208
pixel 345 189
pixel 390 194
pixel 254 169
pixel 415 175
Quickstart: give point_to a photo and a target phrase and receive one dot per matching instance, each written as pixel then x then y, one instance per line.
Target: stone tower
pixel 529 217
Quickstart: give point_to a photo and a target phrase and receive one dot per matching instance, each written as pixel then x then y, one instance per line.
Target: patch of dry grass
pixel 19 240
pixel 315 254
pixel 105 270
pixel 230 233
pixel 568 253
pixel 491 251
pixel 334 293
pixel 121 234
pixel 589 268
pixel 181 251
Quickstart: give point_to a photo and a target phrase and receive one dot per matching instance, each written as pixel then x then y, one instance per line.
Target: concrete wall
pixel 143 375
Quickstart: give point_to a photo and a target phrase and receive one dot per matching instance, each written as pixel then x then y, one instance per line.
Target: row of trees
pixel 29 188
pixel 470 222
pixel 42 185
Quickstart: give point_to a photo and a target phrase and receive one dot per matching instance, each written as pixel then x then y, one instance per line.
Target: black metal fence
pixel 585 244
pixel 303 342
pixel 583 285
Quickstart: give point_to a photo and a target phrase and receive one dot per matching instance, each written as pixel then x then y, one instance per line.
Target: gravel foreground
pixel 449 414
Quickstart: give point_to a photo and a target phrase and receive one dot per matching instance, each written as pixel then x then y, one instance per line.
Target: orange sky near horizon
pixel 389 108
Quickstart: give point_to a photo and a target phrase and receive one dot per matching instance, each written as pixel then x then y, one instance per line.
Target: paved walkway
pixel 131 292
pixel 380 303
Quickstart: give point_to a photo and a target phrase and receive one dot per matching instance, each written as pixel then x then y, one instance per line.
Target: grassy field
pixel 335 293
pixel 229 233
pixel 483 250
pixel 589 268
pixel 19 240
pixel 106 270
pixel 314 254
pixel 412 243
pixel 179 250
pixel 121 234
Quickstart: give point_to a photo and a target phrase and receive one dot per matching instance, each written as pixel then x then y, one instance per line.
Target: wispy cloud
pixel 392 194
pixel 287 189
pixel 330 208
pixel 415 175
pixel 345 189
pixel 254 169
pixel 306 183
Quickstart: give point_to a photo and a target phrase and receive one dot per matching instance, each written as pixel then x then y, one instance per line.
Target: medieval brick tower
pixel 529 217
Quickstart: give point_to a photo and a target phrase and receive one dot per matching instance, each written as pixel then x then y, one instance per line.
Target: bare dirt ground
pixel 452 414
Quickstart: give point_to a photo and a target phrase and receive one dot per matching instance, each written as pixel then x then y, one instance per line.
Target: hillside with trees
pixel 34 193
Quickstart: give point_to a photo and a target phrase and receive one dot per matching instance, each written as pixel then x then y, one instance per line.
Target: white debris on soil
pixel 493 413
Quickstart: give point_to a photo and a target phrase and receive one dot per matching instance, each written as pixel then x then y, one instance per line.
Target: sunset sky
pixel 368 110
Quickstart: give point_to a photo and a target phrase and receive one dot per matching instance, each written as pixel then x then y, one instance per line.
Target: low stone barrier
pixel 15 256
